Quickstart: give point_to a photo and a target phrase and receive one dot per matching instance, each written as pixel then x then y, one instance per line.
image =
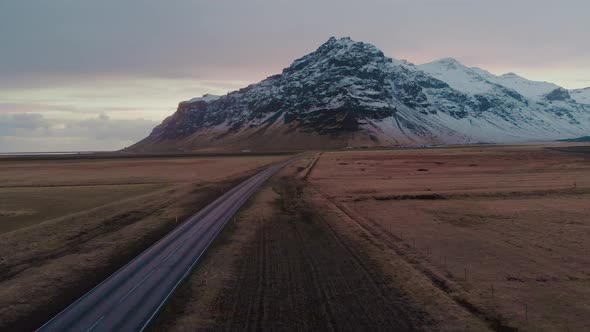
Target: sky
pixel 99 75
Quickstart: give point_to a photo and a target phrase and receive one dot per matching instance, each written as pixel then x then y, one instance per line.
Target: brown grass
pixel 86 218
pixel 74 172
pixel 280 265
pixel 33 191
pixel 501 230
pixel 454 239
pixel 25 206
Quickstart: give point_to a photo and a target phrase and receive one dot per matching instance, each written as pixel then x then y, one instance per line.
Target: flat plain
pixel 446 239
pixel 67 223
pixel 472 238
pixel 282 266
pixel 503 230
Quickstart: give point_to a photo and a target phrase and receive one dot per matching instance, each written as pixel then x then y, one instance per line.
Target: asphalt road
pixel 130 298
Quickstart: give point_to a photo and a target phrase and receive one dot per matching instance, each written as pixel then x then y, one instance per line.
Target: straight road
pixel 130 298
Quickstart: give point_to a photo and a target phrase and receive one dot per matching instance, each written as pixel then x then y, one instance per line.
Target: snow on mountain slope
pixel 206 98
pixel 581 96
pixel 527 88
pixel 348 93
pixel 527 109
pixel 475 80
pixel 458 76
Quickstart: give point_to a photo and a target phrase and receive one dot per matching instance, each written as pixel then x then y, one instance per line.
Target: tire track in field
pixel 300 275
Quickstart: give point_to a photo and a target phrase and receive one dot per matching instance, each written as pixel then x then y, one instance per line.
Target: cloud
pixel 120 96
pixel 35 132
pixel 61 64
pixel 104 128
pixel 248 40
pixel 104 114
pixel 18 124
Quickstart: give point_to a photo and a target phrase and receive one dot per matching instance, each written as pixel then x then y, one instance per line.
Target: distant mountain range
pixel 348 93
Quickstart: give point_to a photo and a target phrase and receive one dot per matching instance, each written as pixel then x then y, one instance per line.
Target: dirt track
pixel 300 275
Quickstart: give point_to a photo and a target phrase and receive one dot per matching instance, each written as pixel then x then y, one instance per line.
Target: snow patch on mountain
pixel 527 88
pixel 476 80
pixel 206 98
pixel 457 76
pixel 581 96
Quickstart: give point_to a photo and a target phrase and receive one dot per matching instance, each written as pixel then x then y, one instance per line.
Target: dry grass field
pixel 32 191
pixel 65 225
pixel 472 238
pixel 502 230
pixel 287 263
pixel 25 206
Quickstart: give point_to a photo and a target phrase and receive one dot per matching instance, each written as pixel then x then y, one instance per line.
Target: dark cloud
pixel 250 39
pixel 25 123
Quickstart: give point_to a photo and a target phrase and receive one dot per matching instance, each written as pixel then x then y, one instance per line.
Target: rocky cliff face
pixel 348 93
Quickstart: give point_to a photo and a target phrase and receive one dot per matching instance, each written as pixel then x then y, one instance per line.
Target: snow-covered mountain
pixel 476 80
pixel 348 93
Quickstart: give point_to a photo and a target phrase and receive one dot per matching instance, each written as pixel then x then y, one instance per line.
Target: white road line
pixel 94 325
pixel 134 287
pixel 173 251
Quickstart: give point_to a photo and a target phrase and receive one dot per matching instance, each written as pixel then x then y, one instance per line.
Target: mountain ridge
pixel 349 93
